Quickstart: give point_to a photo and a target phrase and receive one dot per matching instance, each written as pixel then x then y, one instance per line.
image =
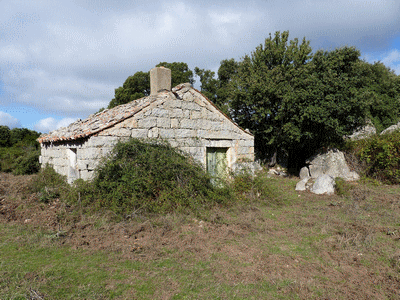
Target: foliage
pixel 382 91
pixel 4 136
pixel 27 163
pixel 262 92
pixel 295 102
pixel 20 151
pixel 134 87
pixel 342 187
pixel 138 85
pixel 49 184
pixel 152 177
pixel 380 155
pixel 217 89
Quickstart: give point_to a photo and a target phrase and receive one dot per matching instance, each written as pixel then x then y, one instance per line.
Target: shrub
pixel 27 164
pixel 153 177
pixel 50 185
pixel 380 156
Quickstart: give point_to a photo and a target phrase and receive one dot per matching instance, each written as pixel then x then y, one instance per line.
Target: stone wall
pixel 183 117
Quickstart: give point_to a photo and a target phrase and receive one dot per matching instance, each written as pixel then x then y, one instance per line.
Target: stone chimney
pixel 160 79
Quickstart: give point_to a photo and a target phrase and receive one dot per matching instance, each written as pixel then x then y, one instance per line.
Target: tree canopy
pixel 296 102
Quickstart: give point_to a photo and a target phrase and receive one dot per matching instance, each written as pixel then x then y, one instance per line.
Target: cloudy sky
pixel 62 60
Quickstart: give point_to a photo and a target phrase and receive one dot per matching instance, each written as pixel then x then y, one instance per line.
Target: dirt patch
pixel 324 245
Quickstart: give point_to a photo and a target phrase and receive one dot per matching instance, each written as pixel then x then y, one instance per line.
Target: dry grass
pixel 310 247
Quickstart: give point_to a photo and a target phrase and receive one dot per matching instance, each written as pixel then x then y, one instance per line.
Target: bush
pixel 380 156
pixel 27 164
pixel 50 185
pixel 152 177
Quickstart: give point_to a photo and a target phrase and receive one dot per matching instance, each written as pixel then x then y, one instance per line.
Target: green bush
pixel 27 164
pixel 380 156
pixel 50 185
pixel 152 177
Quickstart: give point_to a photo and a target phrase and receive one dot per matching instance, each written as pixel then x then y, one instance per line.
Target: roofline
pixel 43 139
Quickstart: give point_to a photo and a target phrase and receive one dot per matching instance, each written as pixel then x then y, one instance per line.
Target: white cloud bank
pixel 50 124
pixel 8 120
pixel 67 57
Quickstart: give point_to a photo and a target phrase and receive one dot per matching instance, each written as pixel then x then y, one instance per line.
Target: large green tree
pixel 217 89
pixel 295 102
pixel 138 85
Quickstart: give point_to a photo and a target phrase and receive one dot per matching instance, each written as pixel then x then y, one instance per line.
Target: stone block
pixel 147 122
pixel 160 113
pixel 174 103
pixel 189 124
pixel 195 114
pixel 153 132
pixel 176 113
pixel 184 133
pixel 139 133
pixel 120 132
pixel 247 143
pixel 203 124
pixel 164 122
pixel 167 133
pixel 89 153
pixel 100 141
pixel 190 106
pixel 175 123
pixel 188 97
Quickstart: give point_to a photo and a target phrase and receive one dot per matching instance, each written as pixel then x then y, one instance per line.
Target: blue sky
pixel 62 60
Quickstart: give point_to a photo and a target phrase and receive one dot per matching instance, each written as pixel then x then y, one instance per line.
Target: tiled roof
pixel 97 122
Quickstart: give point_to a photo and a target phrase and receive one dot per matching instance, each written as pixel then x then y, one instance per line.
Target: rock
pixel 277 171
pixel 363 132
pixel 324 184
pixel 273 172
pixel 302 184
pixel 331 163
pixel 391 129
pixel 304 173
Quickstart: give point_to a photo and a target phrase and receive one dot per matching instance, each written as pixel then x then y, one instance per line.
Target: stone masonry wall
pixel 183 117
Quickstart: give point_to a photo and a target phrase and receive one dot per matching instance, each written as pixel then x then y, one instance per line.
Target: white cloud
pixel 8 120
pixel 67 57
pixel 49 124
pixel 392 57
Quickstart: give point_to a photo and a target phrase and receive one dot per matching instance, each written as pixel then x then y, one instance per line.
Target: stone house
pixel 182 116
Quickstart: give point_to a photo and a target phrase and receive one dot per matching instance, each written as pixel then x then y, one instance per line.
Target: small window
pixel 217 162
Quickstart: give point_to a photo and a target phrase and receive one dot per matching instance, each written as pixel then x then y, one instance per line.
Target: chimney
pixel 160 79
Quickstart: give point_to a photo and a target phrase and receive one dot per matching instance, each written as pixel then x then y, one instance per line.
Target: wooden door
pixel 217 162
